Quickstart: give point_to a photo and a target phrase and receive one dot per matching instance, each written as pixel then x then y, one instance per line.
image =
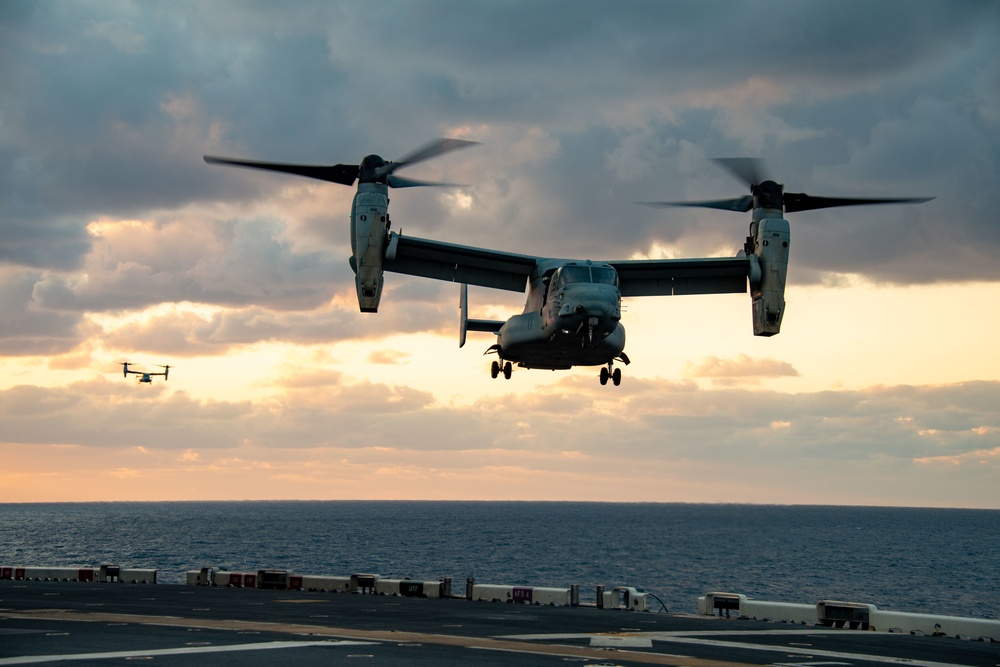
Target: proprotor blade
pixel 748 170
pixel 432 149
pixel 344 174
pixel 799 201
pixel 399 182
pixel 742 204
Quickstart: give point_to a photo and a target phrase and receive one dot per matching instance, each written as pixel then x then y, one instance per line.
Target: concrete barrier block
pixel 783 612
pixel 203 577
pixel 137 576
pixel 492 593
pixel 408 588
pixel 231 579
pixel 312 582
pixel 557 597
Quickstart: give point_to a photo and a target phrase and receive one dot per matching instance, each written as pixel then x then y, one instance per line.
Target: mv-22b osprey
pixel 572 312
pixel 145 377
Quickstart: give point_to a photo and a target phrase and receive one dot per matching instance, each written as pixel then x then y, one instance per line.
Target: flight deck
pixel 168 624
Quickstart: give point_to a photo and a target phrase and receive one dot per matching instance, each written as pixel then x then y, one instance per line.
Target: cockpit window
pixel 575 274
pixel 604 275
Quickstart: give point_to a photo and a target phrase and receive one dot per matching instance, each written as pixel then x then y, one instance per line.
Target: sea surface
pixel 943 561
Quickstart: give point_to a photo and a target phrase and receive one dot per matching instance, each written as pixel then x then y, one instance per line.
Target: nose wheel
pixel 496 369
pixel 608 374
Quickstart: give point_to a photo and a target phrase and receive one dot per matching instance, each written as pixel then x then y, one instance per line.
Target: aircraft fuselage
pixel 571 318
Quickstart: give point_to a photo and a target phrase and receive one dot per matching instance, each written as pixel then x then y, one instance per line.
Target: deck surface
pixel 107 624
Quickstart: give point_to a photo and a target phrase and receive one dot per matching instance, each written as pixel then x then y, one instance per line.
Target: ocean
pixel 942 561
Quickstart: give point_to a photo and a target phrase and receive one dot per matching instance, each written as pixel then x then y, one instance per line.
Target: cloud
pixel 27 327
pixel 136 264
pixel 982 457
pixel 318 426
pixel 742 367
pixel 388 357
pixel 646 418
pixel 105 414
pixel 550 126
pixel 191 331
pixel 121 35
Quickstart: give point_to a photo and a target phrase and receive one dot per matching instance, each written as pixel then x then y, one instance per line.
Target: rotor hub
pixel 767 195
pixel 373 170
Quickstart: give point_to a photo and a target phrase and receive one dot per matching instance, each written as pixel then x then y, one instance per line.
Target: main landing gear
pixel 495 369
pixel 615 376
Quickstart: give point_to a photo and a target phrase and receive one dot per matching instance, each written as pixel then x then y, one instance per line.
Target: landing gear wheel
pixel 604 376
pixel 616 377
pixel 494 370
pixel 507 370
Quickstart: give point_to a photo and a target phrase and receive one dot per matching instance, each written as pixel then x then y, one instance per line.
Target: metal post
pixel 468 587
pixel 600 597
pixel 574 595
pixel 446 587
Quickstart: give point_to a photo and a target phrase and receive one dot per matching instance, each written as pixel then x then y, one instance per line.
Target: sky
pixel 119 243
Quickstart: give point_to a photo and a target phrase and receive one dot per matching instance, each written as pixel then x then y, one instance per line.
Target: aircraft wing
pixel 457 263
pixel 665 277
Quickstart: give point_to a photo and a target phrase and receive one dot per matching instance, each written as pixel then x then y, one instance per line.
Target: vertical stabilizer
pixel 465 324
pixel 463 309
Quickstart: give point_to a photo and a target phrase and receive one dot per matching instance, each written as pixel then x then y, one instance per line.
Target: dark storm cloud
pixel 541 61
pixel 27 328
pixel 109 111
pixel 42 242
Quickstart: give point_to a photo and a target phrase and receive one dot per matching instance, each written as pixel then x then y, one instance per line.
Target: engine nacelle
pixel 369 225
pixel 768 294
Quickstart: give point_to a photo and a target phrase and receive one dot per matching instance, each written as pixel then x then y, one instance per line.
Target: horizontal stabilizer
pixel 491 326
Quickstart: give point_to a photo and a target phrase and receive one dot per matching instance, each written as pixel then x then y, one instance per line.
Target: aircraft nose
pixel 600 308
pixel 583 302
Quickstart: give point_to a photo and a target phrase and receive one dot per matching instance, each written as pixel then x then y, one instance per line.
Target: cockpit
pixel 580 273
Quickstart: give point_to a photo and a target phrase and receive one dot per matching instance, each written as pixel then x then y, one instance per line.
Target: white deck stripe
pixel 806 651
pixel 187 650
pixel 701 639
